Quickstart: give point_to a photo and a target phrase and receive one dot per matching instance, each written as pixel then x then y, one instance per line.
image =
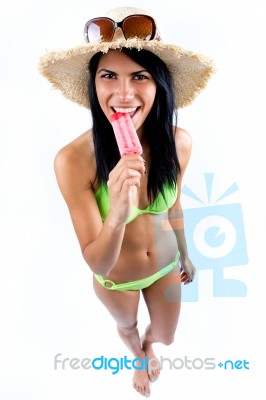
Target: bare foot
pixel 141 381
pixel 154 368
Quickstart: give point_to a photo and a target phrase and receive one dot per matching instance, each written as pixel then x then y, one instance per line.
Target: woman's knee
pixel 127 327
pixel 165 338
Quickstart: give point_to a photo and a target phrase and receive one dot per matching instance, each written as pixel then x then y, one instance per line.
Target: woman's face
pixel 122 85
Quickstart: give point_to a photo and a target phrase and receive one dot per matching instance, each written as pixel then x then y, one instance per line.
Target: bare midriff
pixel 146 248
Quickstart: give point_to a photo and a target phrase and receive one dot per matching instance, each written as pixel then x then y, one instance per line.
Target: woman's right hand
pixel 123 183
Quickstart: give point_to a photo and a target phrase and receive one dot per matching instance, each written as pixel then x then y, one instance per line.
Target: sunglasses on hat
pixel 102 29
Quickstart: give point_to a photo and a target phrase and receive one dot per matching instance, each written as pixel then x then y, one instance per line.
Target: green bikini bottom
pixel 141 283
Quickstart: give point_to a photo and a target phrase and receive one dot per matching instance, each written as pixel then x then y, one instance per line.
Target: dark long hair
pixel 158 126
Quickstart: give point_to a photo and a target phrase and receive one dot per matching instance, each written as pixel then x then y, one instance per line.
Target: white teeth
pixel 125 110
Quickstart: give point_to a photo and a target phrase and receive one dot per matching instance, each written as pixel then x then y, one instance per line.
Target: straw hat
pixel 68 70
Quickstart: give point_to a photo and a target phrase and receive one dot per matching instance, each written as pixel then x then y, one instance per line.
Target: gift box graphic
pixel 216 239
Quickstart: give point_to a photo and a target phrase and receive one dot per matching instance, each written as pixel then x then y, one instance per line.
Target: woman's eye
pixel 140 77
pixel 108 76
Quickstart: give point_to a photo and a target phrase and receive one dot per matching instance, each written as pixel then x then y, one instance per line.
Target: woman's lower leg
pixel 130 337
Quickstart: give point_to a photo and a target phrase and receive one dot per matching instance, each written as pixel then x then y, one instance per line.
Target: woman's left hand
pixel 187 270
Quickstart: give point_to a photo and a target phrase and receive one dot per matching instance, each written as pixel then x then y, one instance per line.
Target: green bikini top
pixel 158 206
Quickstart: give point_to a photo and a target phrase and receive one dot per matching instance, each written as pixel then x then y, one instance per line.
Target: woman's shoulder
pixel 76 159
pixel 183 143
pixel 82 146
pixel 182 138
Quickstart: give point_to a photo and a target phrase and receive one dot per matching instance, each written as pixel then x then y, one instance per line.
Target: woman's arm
pixel 100 243
pixel 183 146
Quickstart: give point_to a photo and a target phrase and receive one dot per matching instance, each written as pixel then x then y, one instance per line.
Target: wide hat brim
pixel 68 70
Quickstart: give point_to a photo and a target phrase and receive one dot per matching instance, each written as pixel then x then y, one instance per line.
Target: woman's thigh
pixel 163 300
pixel 122 305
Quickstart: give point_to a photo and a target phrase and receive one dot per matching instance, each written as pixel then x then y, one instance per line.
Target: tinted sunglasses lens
pixel 139 26
pixel 100 30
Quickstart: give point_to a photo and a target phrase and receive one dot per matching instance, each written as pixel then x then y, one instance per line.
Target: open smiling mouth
pixel 130 110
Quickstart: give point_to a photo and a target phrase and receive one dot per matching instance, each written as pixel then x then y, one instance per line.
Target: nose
pixel 125 91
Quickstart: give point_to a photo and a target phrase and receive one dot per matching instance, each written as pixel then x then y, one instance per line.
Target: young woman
pixel 126 210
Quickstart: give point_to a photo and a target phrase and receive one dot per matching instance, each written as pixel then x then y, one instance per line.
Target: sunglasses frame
pixel 119 25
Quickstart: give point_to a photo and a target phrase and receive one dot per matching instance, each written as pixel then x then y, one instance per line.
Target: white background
pixel 47 302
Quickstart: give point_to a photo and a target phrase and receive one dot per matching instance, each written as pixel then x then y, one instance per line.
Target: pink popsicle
pixel 125 134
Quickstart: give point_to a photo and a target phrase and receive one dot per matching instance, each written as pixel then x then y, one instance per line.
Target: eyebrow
pixel 112 72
